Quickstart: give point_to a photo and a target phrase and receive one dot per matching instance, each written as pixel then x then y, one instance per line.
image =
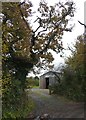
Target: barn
pixel 48 78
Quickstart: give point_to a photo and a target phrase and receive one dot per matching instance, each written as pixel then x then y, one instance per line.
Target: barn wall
pixel 51 80
pixel 42 82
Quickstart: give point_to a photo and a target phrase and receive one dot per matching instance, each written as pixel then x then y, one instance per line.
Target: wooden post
pixel 49 89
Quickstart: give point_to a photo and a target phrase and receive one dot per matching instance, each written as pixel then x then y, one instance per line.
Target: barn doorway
pixel 47 82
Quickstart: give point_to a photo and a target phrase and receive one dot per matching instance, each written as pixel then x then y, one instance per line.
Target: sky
pixel 68 37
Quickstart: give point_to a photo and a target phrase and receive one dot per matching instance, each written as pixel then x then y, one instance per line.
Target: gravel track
pixel 55 106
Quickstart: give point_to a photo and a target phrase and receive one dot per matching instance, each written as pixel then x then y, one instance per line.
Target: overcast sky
pixel 69 37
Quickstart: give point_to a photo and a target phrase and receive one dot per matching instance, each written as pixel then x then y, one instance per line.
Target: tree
pixel 24 47
pixel 15 60
pixel 76 61
pixel 74 72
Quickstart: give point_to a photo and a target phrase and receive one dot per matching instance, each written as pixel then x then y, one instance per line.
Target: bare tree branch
pixel 21 3
pixel 82 24
pixel 40 23
pixel 41 31
pixel 37 28
pixel 71 49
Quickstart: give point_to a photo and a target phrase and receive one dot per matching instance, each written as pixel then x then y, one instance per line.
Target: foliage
pixel 14 62
pixel 22 47
pixel 73 81
pixel 31 82
pixel 15 102
pixel 53 22
pixel 78 63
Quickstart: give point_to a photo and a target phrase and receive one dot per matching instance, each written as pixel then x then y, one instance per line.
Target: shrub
pixel 70 86
pixel 31 82
pixel 15 101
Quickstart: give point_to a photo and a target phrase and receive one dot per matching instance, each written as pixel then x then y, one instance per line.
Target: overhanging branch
pixel 82 24
pixel 48 43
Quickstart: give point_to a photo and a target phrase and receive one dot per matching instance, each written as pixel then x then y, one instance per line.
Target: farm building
pixel 49 78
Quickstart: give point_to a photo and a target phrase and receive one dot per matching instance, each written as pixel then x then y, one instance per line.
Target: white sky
pixel 69 37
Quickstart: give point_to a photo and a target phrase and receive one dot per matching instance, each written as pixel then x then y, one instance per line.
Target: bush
pixel 19 111
pixel 70 86
pixel 31 82
pixel 15 101
pixel 57 89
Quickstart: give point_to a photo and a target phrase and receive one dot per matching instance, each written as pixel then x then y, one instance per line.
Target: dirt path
pixel 55 106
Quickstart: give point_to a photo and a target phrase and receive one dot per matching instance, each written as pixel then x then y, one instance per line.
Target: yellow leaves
pixel 48 56
pixel 54 18
pixel 49 33
pixel 6 83
pixel 5 48
pixel 78 56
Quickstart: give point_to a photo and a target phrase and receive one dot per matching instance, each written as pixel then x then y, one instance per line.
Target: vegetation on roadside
pixel 73 83
pixel 32 82
pixel 16 103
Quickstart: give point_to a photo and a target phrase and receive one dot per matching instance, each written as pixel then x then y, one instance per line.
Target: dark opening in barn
pixel 47 82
